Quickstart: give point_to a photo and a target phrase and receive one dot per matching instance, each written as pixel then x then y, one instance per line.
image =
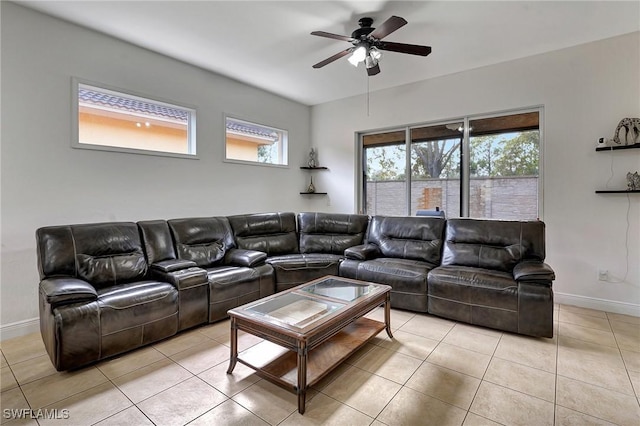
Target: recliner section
pixel 96 296
pixel 108 288
pixel 400 252
pixel 235 276
pixel 493 274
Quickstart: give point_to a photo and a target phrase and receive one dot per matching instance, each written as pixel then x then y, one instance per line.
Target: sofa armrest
pixel 172 265
pixel 362 252
pixel 63 290
pixel 533 271
pixel 244 257
pixel 183 278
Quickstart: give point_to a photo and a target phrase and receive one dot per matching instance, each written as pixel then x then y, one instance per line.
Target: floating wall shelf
pixel 310 169
pixel 616 147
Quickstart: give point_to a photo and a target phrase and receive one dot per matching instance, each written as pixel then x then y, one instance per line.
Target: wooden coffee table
pixel 308 330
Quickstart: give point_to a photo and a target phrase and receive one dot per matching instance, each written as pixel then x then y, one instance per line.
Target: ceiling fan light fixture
pixel 375 53
pixel 358 56
pixel 370 61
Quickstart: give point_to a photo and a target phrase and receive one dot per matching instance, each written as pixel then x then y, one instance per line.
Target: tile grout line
pixel 482 380
pixel 558 375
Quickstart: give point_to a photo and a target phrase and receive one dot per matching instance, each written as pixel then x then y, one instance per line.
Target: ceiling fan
pixel 367 44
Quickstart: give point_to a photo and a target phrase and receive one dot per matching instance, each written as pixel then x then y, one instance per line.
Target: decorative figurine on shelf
pixel 631 128
pixel 313 161
pixel 633 181
pixel 311 188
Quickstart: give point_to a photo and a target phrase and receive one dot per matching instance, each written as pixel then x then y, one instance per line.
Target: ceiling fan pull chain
pixel 367 96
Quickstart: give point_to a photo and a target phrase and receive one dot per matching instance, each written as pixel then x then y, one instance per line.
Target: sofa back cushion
pixel 493 244
pixel 55 252
pixel 157 240
pixel 108 253
pixel 410 237
pixel 331 232
pixel 203 240
pixel 271 233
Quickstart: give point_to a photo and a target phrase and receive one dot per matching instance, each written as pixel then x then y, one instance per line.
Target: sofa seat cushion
pixel 474 286
pixel 403 275
pixel 293 262
pixel 238 282
pixel 407 278
pixel 230 275
pixel 295 269
pixel 232 286
pixel 135 304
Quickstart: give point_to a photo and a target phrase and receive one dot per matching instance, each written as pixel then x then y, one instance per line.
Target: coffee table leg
pixel 234 346
pixel 387 314
pixel 302 376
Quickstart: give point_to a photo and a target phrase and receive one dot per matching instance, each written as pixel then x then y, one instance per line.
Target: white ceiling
pixel 267 43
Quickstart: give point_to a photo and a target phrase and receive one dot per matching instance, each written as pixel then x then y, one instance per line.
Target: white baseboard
pixel 19 328
pixel 599 304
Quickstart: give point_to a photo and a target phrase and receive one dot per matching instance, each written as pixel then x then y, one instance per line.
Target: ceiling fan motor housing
pixel 364 30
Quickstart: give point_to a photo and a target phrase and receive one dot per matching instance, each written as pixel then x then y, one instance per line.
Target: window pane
pixel 435 168
pixel 499 177
pixel 112 119
pixel 504 167
pixel 385 191
pixel 246 141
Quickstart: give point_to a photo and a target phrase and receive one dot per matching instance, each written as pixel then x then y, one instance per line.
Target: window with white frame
pixel 112 120
pixel 255 143
pixel 477 166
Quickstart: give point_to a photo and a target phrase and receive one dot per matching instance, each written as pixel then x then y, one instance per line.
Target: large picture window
pixel 483 167
pixel 255 143
pixel 116 121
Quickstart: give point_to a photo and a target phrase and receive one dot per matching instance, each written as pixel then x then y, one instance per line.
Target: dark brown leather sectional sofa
pixel 108 288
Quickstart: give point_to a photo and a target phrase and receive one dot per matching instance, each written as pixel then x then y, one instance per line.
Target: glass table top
pixel 295 309
pixel 306 305
pixel 339 289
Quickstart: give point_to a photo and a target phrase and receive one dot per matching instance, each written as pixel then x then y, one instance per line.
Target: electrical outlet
pixel 603 275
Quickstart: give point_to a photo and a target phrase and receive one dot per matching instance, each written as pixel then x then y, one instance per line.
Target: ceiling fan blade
pixel 411 49
pixel 373 70
pixel 388 26
pixel 334 58
pixel 333 36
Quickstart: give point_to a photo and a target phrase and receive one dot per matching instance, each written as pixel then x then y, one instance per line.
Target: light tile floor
pixel 434 372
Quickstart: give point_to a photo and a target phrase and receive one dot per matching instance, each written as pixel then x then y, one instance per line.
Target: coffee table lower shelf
pixel 280 364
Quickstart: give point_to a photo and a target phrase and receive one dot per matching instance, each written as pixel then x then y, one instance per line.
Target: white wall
pixel 585 91
pixel 46 182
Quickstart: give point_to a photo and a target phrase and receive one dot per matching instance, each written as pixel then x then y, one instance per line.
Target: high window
pixel 483 167
pixel 111 120
pixel 255 143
